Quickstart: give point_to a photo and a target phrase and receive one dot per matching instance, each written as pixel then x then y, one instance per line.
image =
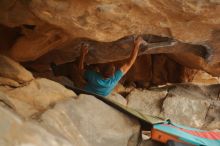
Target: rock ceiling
pixel 54 29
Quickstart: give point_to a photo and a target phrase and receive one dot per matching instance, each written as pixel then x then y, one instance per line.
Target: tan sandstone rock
pixel 62 26
pixel 88 121
pixel 23 109
pixel 16 132
pixel 12 70
pixel 117 98
pixel 187 104
pixel 202 77
pixel 8 82
pixel 146 101
pixel 40 93
pixel 193 105
pixel 186 110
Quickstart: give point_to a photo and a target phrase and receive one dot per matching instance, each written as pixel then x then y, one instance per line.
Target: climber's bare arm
pixel 84 51
pixel 124 68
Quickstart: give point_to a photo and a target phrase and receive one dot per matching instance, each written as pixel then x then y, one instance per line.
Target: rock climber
pixel 103 82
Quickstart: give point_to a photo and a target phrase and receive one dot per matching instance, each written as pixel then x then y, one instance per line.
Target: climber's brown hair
pixel 108 70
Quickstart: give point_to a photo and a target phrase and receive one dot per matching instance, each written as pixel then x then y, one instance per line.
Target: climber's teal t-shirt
pixel 99 85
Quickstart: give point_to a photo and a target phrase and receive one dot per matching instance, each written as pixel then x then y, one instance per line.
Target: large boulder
pixel 187 104
pixel 25 94
pixel 146 101
pixel 193 105
pixel 186 110
pixel 38 94
pixel 16 132
pixel 23 109
pixel 12 70
pixel 90 122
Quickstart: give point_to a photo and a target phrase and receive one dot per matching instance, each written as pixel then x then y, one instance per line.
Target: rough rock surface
pixel 51 30
pixel 65 119
pixel 114 96
pixel 83 121
pixel 146 102
pixel 111 20
pixel 43 39
pixel 196 106
pixel 15 131
pixel 191 105
pixel 88 121
pixel 72 121
pixel 12 70
pixel 40 93
pixel 202 77
pixel 63 25
pixel 23 109
pixel 8 82
pixel 25 94
pixel 187 111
